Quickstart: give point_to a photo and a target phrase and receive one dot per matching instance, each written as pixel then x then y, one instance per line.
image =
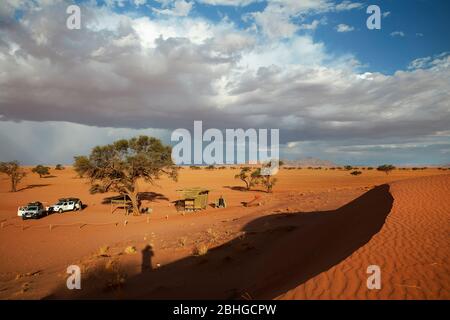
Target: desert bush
pixel 210 167
pixel 348 168
pixel 200 249
pixel 267 181
pixel 246 176
pixel 130 250
pixel 41 170
pixel 96 188
pixel 59 167
pixel 14 171
pixel 386 168
pixel 195 167
pixel 355 173
pixel 103 251
pixel 182 241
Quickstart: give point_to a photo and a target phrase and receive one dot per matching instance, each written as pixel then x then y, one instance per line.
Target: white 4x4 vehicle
pixel 66 204
pixel 33 210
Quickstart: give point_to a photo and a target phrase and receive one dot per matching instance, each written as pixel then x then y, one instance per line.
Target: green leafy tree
pixel 14 172
pixel 386 168
pixel 41 170
pixel 81 165
pixel 119 166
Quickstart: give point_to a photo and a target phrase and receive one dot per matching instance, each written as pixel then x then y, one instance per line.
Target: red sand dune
pixel 412 250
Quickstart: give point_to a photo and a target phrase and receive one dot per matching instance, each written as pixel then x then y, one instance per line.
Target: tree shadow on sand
pixel 243 189
pixel 32 186
pixel 149 196
pixel 276 253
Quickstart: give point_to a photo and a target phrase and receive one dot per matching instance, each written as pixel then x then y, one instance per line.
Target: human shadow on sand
pixel 274 254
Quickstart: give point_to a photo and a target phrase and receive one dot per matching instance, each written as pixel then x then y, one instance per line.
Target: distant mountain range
pixel 309 162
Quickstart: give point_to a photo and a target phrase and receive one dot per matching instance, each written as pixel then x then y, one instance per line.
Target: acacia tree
pixel 14 171
pixel 81 165
pixel 386 168
pixel 118 166
pixel 246 176
pixel 41 170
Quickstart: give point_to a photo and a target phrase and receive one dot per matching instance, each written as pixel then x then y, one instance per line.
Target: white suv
pixel 33 210
pixel 66 204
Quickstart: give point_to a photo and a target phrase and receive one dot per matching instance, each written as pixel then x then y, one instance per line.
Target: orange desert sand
pixel 312 238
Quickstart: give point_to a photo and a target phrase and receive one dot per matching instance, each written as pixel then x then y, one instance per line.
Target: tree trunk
pixel 13 184
pixel 134 200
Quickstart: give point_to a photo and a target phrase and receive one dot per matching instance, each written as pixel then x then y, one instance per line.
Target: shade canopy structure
pixel 192 199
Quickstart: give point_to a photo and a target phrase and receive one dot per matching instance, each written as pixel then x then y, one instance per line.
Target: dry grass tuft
pixel 103 251
pixel 200 249
pixel 182 241
pixel 130 250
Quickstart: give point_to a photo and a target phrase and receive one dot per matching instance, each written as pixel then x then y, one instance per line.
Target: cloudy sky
pixel 335 89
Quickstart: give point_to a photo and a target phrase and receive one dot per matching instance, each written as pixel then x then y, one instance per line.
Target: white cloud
pixel 228 2
pixel 179 8
pixel 397 34
pixel 165 72
pixel 313 25
pixel 277 19
pixel 435 62
pixel 344 28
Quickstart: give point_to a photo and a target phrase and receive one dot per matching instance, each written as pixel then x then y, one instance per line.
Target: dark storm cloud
pixel 134 72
